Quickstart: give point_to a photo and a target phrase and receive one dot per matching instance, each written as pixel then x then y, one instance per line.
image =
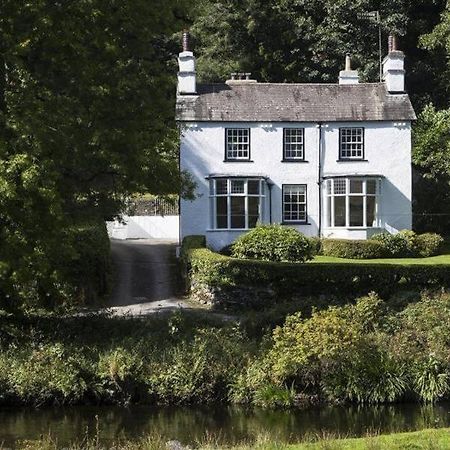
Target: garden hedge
pixel 219 279
pixel 353 248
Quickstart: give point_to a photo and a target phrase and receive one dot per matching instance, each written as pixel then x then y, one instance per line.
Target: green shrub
pixel 353 249
pixel 273 243
pixel 428 244
pixel 407 244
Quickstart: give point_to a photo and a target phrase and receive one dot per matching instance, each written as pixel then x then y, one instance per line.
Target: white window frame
pixel 228 195
pixel 240 143
pixel 331 194
pixel 352 142
pixel 305 203
pixel 294 146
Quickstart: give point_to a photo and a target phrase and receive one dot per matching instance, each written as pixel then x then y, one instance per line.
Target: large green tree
pixel 306 41
pixel 86 102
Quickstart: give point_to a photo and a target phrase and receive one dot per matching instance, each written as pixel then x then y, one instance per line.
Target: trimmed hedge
pixel 353 249
pixel 223 280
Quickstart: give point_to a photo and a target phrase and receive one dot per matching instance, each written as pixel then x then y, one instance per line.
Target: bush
pixel 428 244
pixel 407 244
pixel 353 249
pixel 273 243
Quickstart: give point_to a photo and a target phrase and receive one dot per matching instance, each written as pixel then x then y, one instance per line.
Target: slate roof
pixel 283 102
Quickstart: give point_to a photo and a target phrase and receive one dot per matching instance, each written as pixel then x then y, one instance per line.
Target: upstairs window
pixel 351 143
pixel 237 144
pixel 236 203
pixel 293 144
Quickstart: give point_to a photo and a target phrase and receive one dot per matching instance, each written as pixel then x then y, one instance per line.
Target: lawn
pixel 444 258
pixel 440 259
pixel 426 439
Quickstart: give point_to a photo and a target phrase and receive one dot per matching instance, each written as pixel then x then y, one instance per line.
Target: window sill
pixel 214 230
pixel 296 223
pixel 352 160
pixel 294 161
pixel 238 160
pixel 353 228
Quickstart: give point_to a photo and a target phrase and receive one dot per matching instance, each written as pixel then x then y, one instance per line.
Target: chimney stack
pixel 394 68
pixel 187 83
pixel 348 76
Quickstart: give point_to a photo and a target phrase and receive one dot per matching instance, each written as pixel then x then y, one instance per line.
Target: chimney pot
pixel 392 43
pixel 186 41
pixel 348 63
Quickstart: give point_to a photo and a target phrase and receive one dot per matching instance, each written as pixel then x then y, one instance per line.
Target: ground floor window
pixel 236 203
pixel 294 203
pixel 353 202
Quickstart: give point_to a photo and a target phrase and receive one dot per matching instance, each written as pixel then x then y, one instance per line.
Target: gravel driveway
pixel 145 276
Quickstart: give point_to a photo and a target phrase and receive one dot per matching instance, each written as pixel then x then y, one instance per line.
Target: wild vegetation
pixel 365 352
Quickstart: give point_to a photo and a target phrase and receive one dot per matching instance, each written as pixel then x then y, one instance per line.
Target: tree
pixel 431 157
pixel 305 41
pixel 86 105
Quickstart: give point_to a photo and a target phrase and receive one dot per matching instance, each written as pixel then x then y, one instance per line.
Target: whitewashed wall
pixel 387 150
pixel 145 227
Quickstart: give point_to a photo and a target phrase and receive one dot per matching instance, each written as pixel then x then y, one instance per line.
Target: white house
pixel 330 160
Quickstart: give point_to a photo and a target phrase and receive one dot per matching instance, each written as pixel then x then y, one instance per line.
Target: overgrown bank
pixel 368 352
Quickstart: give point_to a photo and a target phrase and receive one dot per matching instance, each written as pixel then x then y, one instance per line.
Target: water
pixel 230 424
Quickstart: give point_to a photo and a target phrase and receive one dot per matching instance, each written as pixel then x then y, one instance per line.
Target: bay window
pixel 353 202
pixel 236 203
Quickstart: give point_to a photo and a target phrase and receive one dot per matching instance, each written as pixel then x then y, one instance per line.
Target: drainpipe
pixel 270 185
pixel 319 177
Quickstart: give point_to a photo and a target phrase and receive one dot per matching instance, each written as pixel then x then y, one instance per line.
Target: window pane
pixel 329 212
pixel 237 212
pixel 356 211
pixel 253 186
pixel 340 186
pixel 221 212
pixel 237 186
pixel 371 187
pixel 253 211
pixel 356 186
pixel 339 211
pixel 370 212
pixel 221 186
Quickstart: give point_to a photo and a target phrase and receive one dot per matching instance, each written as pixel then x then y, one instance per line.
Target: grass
pixel 432 260
pixel 444 258
pixel 432 439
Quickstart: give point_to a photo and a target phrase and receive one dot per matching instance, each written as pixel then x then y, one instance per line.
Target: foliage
pixel 406 244
pixel 299 41
pixel 431 158
pixel 72 145
pixel 353 249
pixel 78 272
pixel 362 352
pixel 273 243
pixel 229 278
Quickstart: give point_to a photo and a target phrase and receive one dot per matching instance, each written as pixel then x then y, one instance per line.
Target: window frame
pixel 247 159
pixel 330 197
pixel 363 145
pixel 229 195
pixel 294 222
pixel 291 159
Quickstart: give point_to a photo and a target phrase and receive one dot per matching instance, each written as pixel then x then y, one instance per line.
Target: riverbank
pixel 294 355
pixel 430 439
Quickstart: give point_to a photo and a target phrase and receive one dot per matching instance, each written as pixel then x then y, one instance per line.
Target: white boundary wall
pixel 145 227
